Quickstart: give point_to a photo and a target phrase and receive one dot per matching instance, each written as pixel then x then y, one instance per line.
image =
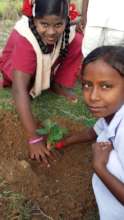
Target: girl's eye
pixel 59 25
pixel 45 25
pixel 106 86
pixel 86 85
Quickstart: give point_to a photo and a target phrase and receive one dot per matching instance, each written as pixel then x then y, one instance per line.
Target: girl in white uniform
pixel 103 92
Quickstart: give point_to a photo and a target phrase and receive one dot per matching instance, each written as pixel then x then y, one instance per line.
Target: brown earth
pixel 62 191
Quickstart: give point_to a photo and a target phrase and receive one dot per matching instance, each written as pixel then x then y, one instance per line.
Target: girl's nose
pixel 94 96
pixel 51 31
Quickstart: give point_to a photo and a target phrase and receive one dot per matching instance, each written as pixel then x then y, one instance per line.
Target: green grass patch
pixel 6 99
pixel 49 105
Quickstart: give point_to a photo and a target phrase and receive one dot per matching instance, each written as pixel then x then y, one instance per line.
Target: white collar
pixel 112 127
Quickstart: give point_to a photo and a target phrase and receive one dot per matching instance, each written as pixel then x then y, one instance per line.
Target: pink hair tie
pixel 35 140
pixel 60 144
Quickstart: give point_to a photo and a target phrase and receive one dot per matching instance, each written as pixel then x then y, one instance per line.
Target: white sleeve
pixel 119 142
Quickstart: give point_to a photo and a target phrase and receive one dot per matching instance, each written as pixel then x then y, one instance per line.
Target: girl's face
pixel 103 89
pixel 50 28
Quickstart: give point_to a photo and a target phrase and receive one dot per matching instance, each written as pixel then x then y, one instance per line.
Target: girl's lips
pixel 51 40
pixel 95 108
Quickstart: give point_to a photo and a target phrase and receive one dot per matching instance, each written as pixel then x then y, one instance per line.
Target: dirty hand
pixel 39 152
pixel 101 151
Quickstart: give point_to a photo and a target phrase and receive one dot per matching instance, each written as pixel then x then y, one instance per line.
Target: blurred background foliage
pixel 10 9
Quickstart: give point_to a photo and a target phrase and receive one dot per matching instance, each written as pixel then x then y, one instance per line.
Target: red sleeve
pixel 24 57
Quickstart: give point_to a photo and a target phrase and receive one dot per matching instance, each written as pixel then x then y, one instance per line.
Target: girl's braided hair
pixel 50 7
pixel 112 55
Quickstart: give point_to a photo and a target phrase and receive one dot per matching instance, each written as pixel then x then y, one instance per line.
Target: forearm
pixel 83 19
pixel 20 89
pixel 112 183
pixel 86 135
pixel 23 107
pixel 85 7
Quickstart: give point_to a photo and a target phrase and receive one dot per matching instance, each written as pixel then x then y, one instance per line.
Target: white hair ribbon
pixel 33 8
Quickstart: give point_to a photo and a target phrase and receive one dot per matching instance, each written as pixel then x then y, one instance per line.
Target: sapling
pixel 53 132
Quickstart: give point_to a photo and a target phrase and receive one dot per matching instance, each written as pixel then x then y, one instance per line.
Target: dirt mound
pixel 64 190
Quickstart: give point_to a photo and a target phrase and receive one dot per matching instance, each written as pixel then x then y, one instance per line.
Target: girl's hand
pixel 39 152
pixel 81 25
pixel 101 151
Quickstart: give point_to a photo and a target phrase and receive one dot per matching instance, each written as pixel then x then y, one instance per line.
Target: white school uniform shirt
pixel 109 207
pixel 105 24
pixel 106 13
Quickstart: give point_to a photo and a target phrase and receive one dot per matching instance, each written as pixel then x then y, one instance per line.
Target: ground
pixel 61 192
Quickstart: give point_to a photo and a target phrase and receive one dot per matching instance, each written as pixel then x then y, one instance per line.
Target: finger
pixel 50 154
pixel 48 146
pixel 32 156
pixel 52 151
pixel 101 143
pixel 44 160
pixel 53 155
pixel 107 143
pixel 58 153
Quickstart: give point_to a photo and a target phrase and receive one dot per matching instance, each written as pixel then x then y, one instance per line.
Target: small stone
pixel 24 164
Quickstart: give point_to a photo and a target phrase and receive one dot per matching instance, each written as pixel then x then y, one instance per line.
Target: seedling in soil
pixel 53 132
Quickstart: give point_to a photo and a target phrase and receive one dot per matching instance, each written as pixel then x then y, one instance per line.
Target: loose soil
pixel 62 191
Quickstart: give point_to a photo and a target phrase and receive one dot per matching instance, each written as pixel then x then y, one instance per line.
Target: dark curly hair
pixel 51 7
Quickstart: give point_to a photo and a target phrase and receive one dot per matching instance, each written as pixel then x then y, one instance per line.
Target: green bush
pixel 10 9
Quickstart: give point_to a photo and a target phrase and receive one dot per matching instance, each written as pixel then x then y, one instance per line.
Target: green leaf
pixel 53 131
pixel 56 134
pixel 42 131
